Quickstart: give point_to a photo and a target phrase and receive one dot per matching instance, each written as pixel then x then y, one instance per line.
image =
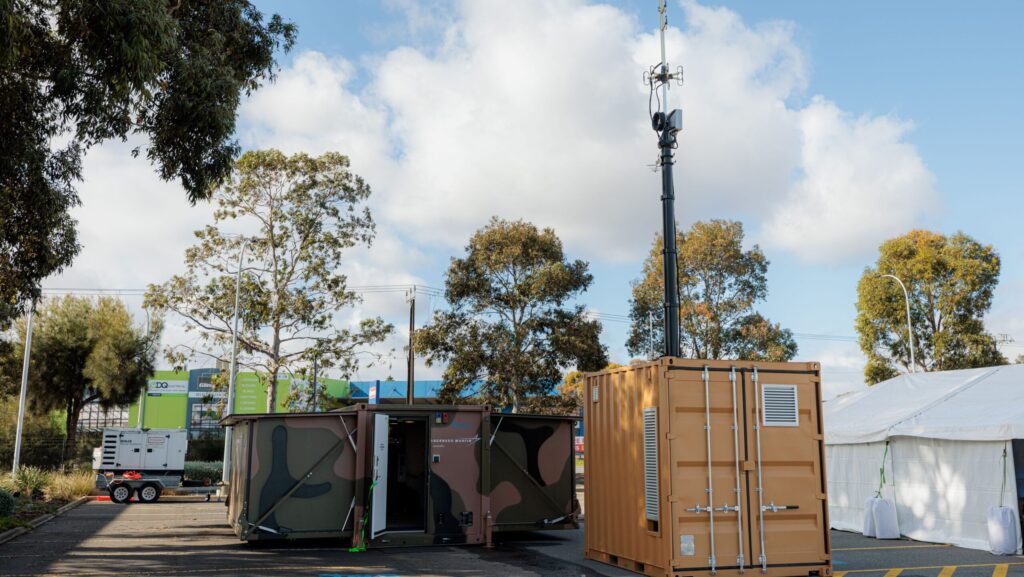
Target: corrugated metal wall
pixel 615 523
pixel 717 444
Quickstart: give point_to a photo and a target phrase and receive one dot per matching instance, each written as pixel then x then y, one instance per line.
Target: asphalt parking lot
pixel 856 556
pixel 190 538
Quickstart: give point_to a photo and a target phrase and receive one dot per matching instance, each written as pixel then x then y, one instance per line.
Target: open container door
pixel 379 505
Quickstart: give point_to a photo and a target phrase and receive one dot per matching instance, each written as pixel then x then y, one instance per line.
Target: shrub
pixel 7 483
pixel 199 470
pixel 6 504
pixel 70 486
pixel 31 482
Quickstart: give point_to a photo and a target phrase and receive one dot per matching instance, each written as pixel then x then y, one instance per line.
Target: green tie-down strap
pixel 1002 488
pixel 881 472
pixel 366 515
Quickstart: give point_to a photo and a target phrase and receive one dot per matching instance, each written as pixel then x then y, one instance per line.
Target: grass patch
pixel 70 486
pixel 8 523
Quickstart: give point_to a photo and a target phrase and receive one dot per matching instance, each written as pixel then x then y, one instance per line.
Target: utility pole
pixel 666 125
pixel 650 335
pixel 24 391
pixel 410 394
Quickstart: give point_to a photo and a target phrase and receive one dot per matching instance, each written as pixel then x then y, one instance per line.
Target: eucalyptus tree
pixel 306 212
pixel 74 73
pixel 512 329
pixel 720 282
pixel 950 282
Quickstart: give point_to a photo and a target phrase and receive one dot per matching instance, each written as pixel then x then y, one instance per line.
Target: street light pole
pixel 145 390
pixel 910 326
pixel 24 391
pixel 229 404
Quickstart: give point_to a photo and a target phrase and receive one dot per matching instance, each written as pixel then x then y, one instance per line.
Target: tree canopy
pixel 719 284
pixel 306 212
pixel 74 73
pixel 84 350
pixel 950 281
pixel 511 330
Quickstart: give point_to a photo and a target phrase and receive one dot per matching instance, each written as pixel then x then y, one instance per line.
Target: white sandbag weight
pixel 869 517
pixel 1002 531
pixel 1002 522
pixel 886 526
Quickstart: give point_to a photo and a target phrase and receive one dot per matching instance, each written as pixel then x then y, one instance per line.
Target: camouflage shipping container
pixel 394 475
pixel 700 468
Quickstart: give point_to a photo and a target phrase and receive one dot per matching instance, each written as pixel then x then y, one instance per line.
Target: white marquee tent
pixel 946 442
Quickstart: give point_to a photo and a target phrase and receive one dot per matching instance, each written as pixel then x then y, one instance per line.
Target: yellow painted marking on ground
pixel 930 546
pixel 901 569
pixel 1000 570
pixel 947 571
pixel 839 574
pixel 893 572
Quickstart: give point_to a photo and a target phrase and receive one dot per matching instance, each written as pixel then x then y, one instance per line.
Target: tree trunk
pixel 272 390
pixel 71 436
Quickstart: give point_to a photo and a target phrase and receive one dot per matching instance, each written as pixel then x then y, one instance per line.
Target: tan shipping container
pixel 653 432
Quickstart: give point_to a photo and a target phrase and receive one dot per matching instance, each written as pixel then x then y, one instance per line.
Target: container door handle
pixel 776 508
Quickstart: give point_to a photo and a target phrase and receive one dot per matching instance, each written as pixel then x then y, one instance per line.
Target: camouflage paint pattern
pixel 299 477
pixel 533 473
pixel 519 478
pixel 456 495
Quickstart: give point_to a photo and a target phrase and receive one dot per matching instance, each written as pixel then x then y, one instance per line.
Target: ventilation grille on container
pixel 780 406
pixel 651 464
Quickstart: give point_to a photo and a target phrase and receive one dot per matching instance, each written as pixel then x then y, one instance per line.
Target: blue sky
pixel 906 114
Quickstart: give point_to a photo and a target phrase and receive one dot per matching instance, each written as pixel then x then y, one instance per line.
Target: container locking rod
pixel 736 453
pixel 711 486
pixel 763 557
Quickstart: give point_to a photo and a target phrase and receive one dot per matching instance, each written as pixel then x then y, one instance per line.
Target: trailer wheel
pixel 120 492
pixel 149 493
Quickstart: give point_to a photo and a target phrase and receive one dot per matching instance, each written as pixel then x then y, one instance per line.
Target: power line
pixel 1003 340
pixel 363 289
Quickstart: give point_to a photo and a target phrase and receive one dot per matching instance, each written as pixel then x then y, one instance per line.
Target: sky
pixel 825 127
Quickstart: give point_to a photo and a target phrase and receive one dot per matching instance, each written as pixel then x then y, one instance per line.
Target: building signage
pixel 157 387
pixel 207 394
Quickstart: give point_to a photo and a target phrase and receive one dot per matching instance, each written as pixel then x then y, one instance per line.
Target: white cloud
pixel 842 367
pixel 534 109
pixel 862 183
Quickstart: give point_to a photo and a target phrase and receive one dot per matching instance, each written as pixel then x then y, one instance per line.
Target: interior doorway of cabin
pixel 401 473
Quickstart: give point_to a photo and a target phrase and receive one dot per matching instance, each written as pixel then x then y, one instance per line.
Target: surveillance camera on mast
pixel 672 123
